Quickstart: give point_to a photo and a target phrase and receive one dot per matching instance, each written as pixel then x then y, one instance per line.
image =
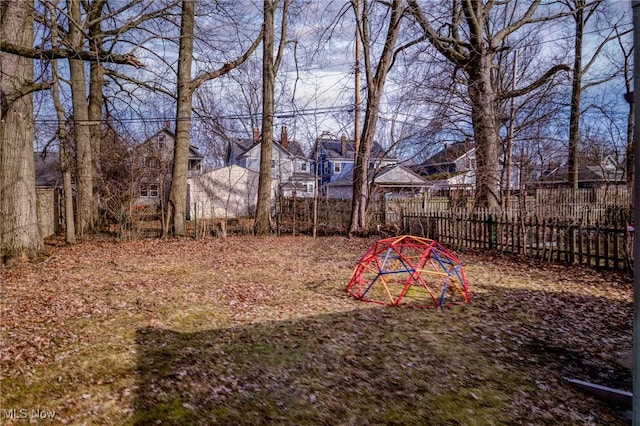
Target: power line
pixel 280 114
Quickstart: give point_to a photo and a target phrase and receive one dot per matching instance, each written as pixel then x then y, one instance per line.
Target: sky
pixel 319 83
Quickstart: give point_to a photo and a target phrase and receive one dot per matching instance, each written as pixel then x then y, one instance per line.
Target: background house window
pixel 337 167
pixel 151 162
pixel 162 141
pixel 303 167
pixel 149 190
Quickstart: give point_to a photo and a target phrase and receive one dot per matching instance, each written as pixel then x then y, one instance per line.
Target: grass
pixel 248 330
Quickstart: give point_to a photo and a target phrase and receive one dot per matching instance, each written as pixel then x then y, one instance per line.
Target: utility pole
pixel 509 147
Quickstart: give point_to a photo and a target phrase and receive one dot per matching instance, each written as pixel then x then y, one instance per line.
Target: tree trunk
pixel 485 131
pixel 576 92
pixel 178 194
pixel 375 88
pixel 263 209
pixel 63 137
pixel 96 84
pixel 19 232
pixel 84 160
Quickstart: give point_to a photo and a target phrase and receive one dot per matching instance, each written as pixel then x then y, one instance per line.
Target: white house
pixel 228 192
pixel 452 167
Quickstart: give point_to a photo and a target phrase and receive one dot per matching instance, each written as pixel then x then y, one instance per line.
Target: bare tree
pixel 19 232
pixel 62 133
pixel 177 207
pixel 582 12
pixel 627 69
pixel 375 86
pixel 470 41
pixel 269 70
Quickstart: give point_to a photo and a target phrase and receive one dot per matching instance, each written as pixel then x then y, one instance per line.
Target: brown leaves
pixel 246 329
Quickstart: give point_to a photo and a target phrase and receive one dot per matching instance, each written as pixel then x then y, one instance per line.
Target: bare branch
pixel 198 81
pixel 539 82
pixel 40 53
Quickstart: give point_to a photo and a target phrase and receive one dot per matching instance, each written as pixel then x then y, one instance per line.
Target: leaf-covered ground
pixel 248 330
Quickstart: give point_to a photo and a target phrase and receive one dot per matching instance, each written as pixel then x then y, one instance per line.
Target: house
pixel 452 167
pixel 290 167
pixel 334 162
pixel 395 181
pixel 49 193
pixel 607 172
pixel 228 192
pixel 151 165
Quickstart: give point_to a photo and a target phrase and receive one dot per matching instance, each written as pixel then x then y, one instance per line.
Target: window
pixel 273 164
pixel 325 169
pixel 149 190
pixel 303 167
pixel 162 141
pixel 337 167
pixel 153 190
pixel 150 162
pixel 310 188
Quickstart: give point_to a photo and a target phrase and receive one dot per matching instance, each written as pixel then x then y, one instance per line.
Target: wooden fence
pixel 546 239
pixel 585 227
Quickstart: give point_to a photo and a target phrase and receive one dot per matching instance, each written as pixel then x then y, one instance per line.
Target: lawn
pixel 249 330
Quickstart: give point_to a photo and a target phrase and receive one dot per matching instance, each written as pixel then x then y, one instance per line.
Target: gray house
pixel 290 166
pixel 394 181
pixel 151 165
pixel 386 175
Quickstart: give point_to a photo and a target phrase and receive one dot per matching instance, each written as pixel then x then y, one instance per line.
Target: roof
pixel 194 151
pixel 413 179
pixel 450 153
pixel 48 173
pixel 586 174
pixel 237 147
pixel 333 148
pixel 397 174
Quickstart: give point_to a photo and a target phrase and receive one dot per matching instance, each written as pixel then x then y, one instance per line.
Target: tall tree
pixel 263 208
pixel 270 67
pixel 375 87
pixel 582 12
pixel 19 232
pixel 177 207
pixel 81 130
pixel 627 69
pixel 62 132
pixel 471 41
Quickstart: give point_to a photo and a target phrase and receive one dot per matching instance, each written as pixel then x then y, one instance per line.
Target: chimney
pixel 343 144
pixel 284 138
pixel 256 135
pixel 167 124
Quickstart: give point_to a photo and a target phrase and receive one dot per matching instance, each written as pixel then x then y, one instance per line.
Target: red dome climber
pixel 409 271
